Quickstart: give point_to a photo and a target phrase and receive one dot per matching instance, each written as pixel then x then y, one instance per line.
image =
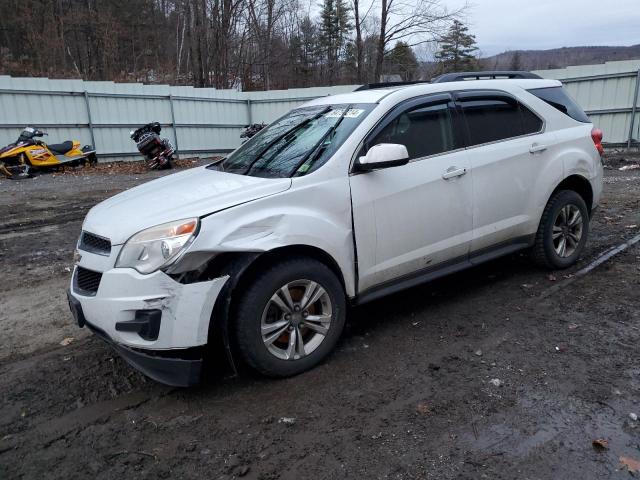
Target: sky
pixel 501 25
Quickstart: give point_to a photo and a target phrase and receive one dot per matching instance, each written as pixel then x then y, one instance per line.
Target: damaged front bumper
pixel 156 324
pixel 174 371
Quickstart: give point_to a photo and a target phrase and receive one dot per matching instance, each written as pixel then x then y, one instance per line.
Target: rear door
pixel 416 216
pixel 508 149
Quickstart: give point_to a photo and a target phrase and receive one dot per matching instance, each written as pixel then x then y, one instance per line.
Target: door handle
pixel 537 148
pixel 453 172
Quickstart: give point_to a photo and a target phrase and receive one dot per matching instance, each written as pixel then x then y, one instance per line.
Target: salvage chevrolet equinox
pixel 341 201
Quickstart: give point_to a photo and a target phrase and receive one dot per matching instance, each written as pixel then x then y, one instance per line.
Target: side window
pixel 424 129
pixel 491 118
pixel 531 123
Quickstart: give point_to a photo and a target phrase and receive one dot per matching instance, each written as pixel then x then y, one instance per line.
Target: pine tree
pixel 304 53
pixel 334 27
pixel 403 61
pixel 457 50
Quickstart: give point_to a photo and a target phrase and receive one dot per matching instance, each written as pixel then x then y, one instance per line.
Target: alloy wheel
pixel 567 230
pixel 296 319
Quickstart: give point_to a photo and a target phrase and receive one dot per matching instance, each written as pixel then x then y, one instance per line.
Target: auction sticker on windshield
pixel 351 113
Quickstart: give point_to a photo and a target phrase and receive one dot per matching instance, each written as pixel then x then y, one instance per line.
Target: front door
pixel 414 217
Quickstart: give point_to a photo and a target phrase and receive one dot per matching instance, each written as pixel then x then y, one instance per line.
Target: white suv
pixel 342 200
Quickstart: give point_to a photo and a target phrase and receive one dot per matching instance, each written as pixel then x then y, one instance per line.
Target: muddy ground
pixel 408 393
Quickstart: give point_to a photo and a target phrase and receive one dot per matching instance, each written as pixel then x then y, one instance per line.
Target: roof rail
pixel 373 86
pixel 488 75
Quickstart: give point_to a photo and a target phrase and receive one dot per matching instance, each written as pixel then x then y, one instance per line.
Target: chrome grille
pixel 94 244
pixel 87 281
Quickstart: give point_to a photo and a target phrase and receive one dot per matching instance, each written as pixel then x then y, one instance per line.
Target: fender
pixel 231 241
pixel 281 221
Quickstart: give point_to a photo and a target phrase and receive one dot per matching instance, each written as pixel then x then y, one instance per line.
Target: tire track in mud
pixel 69 389
pixel 608 255
pixel 21 234
pixel 38 211
pixel 48 218
pixel 50 431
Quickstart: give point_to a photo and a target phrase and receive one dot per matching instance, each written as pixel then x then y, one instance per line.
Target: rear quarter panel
pixel 572 153
pixel 581 157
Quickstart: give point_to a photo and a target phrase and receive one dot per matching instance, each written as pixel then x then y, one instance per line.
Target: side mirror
pixel 383 155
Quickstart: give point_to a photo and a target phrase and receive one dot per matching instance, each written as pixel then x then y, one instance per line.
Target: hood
pixel 193 193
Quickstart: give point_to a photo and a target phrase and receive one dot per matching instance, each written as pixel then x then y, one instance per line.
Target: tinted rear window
pixel 558 98
pixel 492 118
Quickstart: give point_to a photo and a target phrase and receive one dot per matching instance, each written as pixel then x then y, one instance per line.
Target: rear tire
pixel 280 334
pixel 563 231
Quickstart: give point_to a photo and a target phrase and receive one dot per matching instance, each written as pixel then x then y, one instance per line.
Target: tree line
pixel 248 44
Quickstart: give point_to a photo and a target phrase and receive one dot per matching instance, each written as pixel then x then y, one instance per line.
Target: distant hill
pixel 560 57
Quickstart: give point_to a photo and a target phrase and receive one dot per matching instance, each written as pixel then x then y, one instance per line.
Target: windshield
pixel 298 143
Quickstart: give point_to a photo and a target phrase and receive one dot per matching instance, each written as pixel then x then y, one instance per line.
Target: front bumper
pixel 174 371
pixel 173 354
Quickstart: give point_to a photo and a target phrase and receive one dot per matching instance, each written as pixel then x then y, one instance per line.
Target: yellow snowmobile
pixel 17 160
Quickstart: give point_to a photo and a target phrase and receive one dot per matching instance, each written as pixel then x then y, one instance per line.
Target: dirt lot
pixel 408 394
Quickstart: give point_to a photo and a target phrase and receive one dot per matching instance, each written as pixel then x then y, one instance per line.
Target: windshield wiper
pixel 216 164
pixel 317 148
pixel 284 135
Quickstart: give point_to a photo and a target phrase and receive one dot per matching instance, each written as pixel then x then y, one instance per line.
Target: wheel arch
pixel 241 267
pixel 276 254
pixel 578 184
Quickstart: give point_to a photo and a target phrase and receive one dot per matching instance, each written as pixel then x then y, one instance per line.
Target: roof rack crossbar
pixel 488 75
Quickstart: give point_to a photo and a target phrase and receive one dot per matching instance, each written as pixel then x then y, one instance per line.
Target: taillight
pixel 596 135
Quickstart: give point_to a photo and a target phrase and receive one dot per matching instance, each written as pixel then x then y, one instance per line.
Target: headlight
pixel 158 246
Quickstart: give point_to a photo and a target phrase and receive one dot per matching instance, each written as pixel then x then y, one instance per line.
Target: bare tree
pixel 225 16
pixel 261 44
pixel 264 17
pixel 413 22
pixel 181 26
pixel 359 23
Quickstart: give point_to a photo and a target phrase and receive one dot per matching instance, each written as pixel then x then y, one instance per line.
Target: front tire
pixel 290 317
pixel 563 231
